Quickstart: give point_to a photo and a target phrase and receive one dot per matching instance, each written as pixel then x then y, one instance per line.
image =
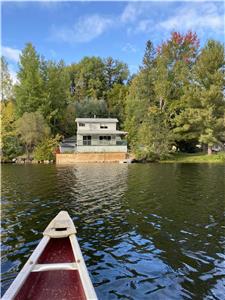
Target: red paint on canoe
pixel 57 251
pixel 52 285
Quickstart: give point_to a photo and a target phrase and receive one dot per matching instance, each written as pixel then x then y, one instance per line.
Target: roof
pixel 101 132
pixel 96 120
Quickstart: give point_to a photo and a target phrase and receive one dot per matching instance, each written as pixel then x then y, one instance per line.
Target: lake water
pixel 154 231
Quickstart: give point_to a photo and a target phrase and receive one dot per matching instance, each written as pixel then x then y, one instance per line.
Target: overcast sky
pixel 71 30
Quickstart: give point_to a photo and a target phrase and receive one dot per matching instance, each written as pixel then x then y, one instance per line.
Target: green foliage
pixel 29 90
pixel 116 97
pixel 115 72
pixel 32 129
pixel 176 97
pixel 93 77
pixel 202 117
pixel 46 149
pixel 10 144
pixel 55 94
pixel 185 88
pixel 11 147
pixel 154 137
pixel 91 107
pixel 67 126
pixel 89 79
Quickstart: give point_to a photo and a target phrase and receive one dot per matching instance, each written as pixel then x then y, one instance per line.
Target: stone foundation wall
pixel 89 157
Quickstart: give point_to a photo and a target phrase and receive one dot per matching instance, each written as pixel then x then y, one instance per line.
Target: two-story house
pixel 99 135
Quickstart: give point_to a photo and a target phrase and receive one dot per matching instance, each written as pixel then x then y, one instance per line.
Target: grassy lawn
pixel 196 158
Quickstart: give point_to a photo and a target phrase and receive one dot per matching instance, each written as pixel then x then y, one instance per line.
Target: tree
pixel 137 105
pixel 204 113
pixel 29 90
pixel 6 81
pixel 88 77
pixel 32 129
pixel 55 93
pixel 45 150
pixel 149 55
pixel 115 71
pixel 173 71
pixel 210 77
pixel 160 84
pixel 90 108
pixel 67 125
pixel 154 137
pixel 10 145
pixel 116 97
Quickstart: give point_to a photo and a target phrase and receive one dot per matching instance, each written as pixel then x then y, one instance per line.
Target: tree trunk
pixel 209 150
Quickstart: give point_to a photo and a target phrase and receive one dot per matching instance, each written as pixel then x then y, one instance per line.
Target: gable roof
pixel 97 120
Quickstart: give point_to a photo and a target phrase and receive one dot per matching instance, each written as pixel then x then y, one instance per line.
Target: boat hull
pixel 56 270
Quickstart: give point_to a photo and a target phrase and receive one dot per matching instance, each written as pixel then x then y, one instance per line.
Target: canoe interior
pixel 54 284
pixel 57 251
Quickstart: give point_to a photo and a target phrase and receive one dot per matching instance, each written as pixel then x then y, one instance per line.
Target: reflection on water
pixel 146 231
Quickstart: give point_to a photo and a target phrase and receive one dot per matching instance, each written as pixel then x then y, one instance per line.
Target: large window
pixel 86 140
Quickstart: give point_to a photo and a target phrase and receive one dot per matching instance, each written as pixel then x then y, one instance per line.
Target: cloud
pixel 145 26
pixel 133 10
pixel 129 48
pixel 195 17
pixel 157 20
pixel 86 29
pixel 11 53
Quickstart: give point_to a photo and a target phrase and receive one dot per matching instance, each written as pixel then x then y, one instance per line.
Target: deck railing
pixel 118 143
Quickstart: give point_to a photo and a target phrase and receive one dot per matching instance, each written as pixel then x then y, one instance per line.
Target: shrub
pixel 46 149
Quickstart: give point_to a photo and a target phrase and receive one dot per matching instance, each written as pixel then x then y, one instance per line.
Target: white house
pixel 99 135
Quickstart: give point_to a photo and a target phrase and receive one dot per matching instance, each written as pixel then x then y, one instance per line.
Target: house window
pixel 87 140
pixel 105 138
pixel 103 126
pixel 81 124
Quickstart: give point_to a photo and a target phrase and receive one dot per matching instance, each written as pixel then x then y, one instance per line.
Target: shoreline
pixel 198 158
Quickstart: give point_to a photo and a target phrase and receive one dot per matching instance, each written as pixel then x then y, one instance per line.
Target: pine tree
pixel 210 88
pixel 29 90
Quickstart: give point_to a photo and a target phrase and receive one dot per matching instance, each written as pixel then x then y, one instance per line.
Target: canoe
pixel 56 269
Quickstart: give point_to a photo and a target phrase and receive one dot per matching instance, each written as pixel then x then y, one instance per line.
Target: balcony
pixel 102 143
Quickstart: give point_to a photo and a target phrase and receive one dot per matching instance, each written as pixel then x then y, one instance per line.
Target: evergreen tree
pixel 202 119
pixel 29 90
pixel 210 89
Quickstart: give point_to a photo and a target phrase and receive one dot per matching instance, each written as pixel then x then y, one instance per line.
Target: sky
pixel 72 30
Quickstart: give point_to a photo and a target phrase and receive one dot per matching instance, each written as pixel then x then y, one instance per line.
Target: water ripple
pixel 146 231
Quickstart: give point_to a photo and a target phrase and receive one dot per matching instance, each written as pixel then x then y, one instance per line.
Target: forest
pixel 174 101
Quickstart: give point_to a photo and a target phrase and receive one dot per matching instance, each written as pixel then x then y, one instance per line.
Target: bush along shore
pixel 176 99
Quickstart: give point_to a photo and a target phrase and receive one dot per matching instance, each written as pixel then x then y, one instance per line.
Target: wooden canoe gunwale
pixel 31 265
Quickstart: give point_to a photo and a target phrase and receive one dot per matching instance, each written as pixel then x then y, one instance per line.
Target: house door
pixel 87 140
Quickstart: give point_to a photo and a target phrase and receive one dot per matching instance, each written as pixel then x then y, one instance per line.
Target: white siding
pixel 96 126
